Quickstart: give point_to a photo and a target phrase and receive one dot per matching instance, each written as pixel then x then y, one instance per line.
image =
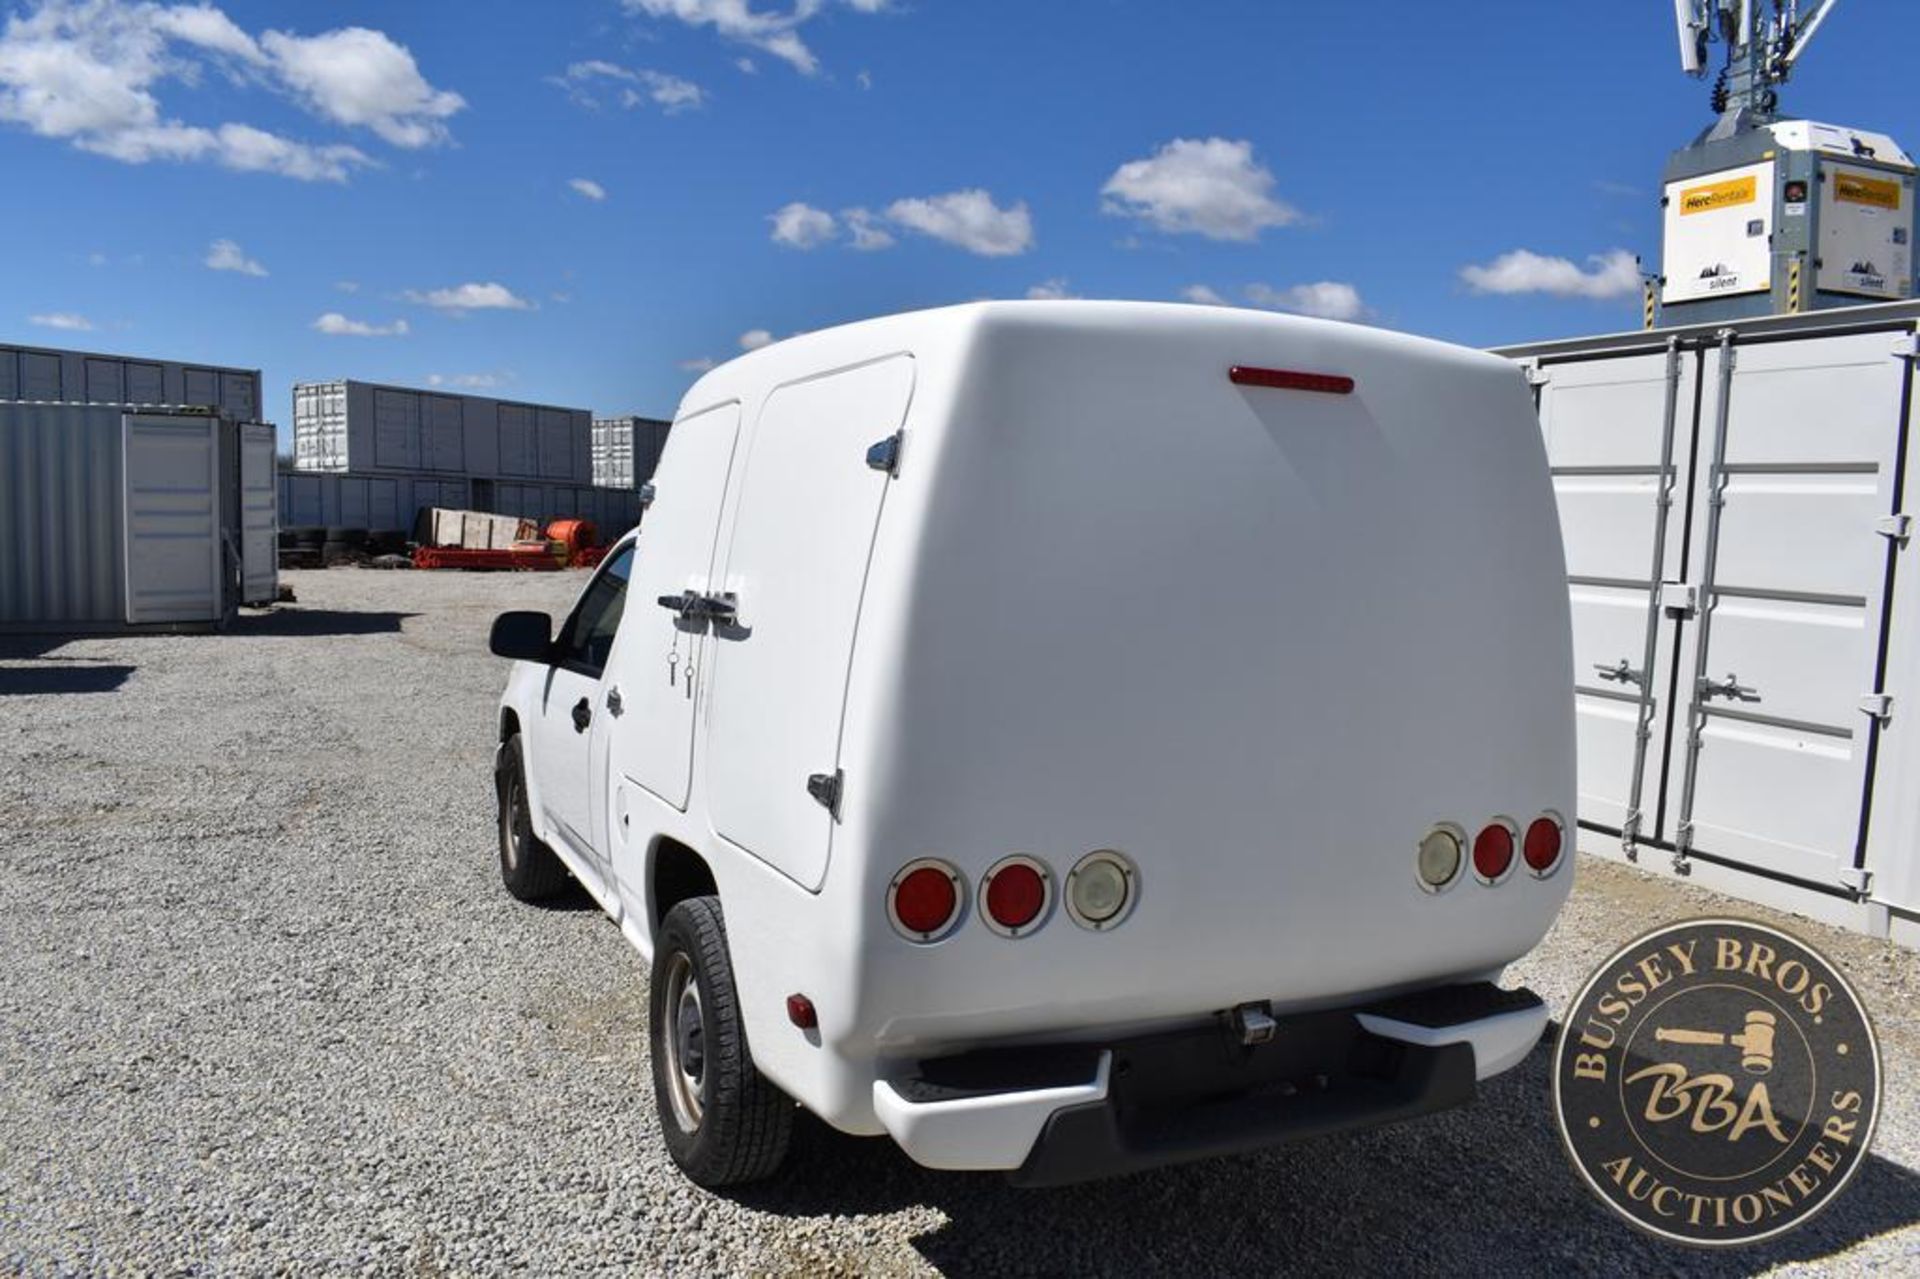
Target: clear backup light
pixel 1101 890
pixel 1440 856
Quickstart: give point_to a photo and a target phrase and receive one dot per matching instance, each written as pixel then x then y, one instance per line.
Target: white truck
pixel 1066 737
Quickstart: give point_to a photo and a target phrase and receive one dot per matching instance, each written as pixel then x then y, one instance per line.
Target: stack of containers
pixel 374 457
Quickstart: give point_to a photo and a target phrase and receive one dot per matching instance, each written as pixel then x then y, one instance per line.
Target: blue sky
pixel 581 201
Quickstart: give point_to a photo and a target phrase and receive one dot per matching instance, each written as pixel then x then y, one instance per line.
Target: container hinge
pixel 1896 528
pixel 1537 376
pixel 825 789
pixel 1877 705
pixel 885 455
pixel 1857 878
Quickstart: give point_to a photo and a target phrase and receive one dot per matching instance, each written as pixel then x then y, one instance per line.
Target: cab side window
pixel 587 638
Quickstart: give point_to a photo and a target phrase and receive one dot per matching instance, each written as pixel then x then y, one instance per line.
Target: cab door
pixel 570 728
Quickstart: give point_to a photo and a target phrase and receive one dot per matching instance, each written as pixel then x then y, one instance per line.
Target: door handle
pixel 582 715
pixel 695 607
pixel 1621 672
pixel 615 703
pixel 1730 688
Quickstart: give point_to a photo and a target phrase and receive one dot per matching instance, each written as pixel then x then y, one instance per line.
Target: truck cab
pixel 1066 738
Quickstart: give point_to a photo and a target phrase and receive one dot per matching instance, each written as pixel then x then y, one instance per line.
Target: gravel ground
pixel 264 1008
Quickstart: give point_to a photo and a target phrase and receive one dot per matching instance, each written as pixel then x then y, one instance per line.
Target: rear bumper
pixel 1056 1115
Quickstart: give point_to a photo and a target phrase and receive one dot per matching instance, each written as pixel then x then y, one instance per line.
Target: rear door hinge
pixel 884 455
pixel 1537 376
pixel 1877 705
pixel 1908 347
pixel 1895 528
pixel 825 789
pixel 1858 878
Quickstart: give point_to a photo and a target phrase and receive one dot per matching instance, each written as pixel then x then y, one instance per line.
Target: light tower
pixel 1764 215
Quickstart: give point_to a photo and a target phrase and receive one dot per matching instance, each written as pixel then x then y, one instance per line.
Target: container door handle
pixel 582 715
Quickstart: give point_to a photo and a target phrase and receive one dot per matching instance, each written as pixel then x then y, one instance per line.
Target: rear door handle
pixel 615 703
pixel 582 715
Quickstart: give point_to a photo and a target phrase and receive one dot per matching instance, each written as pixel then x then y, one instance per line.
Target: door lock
pixel 1621 672
pixel 694 607
pixel 615 703
pixel 1730 688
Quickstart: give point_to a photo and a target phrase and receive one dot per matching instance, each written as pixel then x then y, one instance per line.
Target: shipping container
pixel 626 449
pixel 82 377
pixel 1739 532
pixel 386 502
pixel 116 517
pixel 364 429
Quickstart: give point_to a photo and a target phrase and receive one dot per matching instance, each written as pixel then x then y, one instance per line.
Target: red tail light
pixel 1543 844
pixel 1291 380
pixel 1016 894
pixel 923 901
pixel 1493 852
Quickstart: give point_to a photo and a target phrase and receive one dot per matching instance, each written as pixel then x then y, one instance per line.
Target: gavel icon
pixel 1755 1042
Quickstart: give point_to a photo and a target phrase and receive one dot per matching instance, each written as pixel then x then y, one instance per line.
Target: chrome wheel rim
pixel 683 1037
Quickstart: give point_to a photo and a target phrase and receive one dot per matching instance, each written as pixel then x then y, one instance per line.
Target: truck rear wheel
pixel 724 1122
pixel 530 870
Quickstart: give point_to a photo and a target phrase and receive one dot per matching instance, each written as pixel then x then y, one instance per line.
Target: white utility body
pixel 1206 657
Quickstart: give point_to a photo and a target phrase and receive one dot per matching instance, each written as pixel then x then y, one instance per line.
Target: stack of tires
pixel 387 541
pixel 300 547
pixel 343 545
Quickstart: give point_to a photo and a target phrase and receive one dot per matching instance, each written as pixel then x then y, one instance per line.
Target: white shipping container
pixel 626 450
pixel 82 377
pixel 1738 523
pixel 362 428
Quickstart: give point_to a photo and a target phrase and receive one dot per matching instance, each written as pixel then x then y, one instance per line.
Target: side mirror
pixel 523 636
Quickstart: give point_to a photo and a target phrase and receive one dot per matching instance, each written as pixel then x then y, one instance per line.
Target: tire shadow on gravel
pixel 1485 1190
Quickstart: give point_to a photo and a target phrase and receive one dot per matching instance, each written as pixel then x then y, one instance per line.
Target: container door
pixel 663 651
pixel 1617 432
pixel 173 554
pixel 259 516
pixel 1784 662
pixel 797 564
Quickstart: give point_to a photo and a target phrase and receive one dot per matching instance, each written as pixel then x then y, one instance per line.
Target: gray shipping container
pixel 81 377
pixel 363 429
pixel 1739 517
pixel 626 450
pixel 116 517
pixel 395 501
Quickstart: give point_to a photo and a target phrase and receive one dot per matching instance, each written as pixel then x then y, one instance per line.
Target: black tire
pixel 308 535
pixel 740 1123
pixel 530 870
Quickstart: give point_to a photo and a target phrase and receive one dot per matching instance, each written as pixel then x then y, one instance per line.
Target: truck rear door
pixel 796 561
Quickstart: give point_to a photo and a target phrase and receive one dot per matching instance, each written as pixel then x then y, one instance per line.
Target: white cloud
pixel 96 258
pixel 776 33
pixel 970 220
pixel 866 235
pixel 1613 274
pixel 358 77
pixel 62 320
pixel 470 297
pixel 589 188
pixel 334 324
pixel 747 66
pixel 701 365
pixel 1203 295
pixel 1053 290
pixel 754 339
pixel 88 72
pixel 347 286
pixel 864 80
pixel 639 86
pixel 225 255
pixel 1327 299
pixel 1212 187
pixel 801 226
